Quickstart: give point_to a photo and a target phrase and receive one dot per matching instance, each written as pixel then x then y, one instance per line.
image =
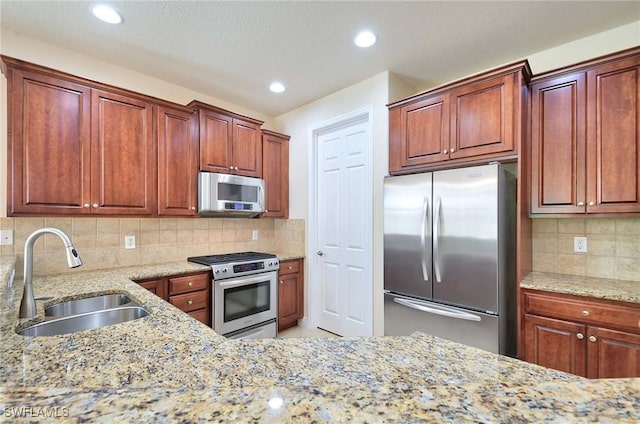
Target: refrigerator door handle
pixel 436 240
pixel 438 311
pixel 423 238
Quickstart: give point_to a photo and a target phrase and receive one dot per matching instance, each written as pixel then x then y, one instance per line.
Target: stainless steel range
pixel 245 294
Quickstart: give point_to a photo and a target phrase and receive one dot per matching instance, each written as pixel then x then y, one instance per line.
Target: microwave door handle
pixel 437 311
pixel 261 193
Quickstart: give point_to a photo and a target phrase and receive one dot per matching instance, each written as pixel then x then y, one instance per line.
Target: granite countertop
pixel 601 288
pixel 169 367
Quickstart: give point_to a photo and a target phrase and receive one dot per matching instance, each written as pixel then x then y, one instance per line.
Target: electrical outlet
pixel 6 237
pixel 580 244
pixel 254 235
pixel 129 242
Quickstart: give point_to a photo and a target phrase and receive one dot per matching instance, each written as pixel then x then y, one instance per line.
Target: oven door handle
pixel 243 281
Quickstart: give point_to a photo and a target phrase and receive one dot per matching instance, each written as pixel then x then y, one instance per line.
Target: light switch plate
pixel 6 237
pixel 129 242
pixel 254 235
pixel 580 244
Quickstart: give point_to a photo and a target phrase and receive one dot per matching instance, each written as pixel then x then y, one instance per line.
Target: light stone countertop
pixel 601 288
pixel 168 367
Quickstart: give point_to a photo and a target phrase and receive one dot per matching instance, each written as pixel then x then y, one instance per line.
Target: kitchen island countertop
pixel 169 367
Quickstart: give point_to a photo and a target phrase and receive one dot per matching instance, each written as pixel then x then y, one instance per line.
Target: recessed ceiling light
pixel 365 39
pixel 277 87
pixel 107 14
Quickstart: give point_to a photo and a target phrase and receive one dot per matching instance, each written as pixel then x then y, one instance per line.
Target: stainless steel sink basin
pixel 88 304
pixel 84 321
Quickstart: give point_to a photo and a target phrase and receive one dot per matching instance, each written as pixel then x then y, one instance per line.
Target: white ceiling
pixel 233 50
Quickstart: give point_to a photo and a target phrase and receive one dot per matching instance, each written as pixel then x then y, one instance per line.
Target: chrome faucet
pixel 28 303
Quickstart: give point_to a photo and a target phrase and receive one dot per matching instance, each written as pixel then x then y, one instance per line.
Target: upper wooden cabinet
pixel 177 161
pixel 585 137
pixel 275 153
pixel 476 119
pixel 77 149
pixel 229 143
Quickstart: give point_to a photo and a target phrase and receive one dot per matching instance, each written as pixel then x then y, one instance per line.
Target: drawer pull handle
pixel 592 338
pixel 190 283
pixel 585 313
pixel 580 336
pixel 190 302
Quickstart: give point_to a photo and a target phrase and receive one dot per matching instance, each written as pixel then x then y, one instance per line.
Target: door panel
pixel 49 145
pixel 613 118
pixel 247 149
pixel 425 132
pixel 122 164
pixel 558 145
pixel 407 235
pixel 612 354
pixel 344 231
pixel 215 141
pixel 465 237
pixel 556 344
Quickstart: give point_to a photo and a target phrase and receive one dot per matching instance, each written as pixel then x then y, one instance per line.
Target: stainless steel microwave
pixel 229 195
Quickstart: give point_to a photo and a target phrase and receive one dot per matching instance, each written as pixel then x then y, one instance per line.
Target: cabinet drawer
pixel 590 312
pixel 190 301
pixel 189 283
pixel 201 315
pixel 289 267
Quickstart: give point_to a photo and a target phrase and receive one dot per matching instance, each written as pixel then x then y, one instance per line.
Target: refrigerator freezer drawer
pixel 405 315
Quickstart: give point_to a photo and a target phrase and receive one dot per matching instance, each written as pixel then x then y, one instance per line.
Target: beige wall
pixel 372 92
pixel 100 241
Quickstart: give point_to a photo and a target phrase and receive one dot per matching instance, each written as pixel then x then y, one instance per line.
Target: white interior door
pixel 344 214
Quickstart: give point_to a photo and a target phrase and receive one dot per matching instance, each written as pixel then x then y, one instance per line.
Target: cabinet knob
pixel 235 167
pixel 231 168
pixel 190 302
pixel 580 336
pixel 266 211
pixel 444 152
pixel 580 203
pixel 592 338
pixel 453 150
pixel 290 267
pixel 585 313
pixel 281 281
pixel 193 208
pixel 96 206
pixel 591 203
pixel 190 284
pixel 86 205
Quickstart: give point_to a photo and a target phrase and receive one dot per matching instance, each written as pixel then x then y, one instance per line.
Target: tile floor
pixel 299 332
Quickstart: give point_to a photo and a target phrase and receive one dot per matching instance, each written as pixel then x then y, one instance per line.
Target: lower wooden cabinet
pixel 583 336
pixel 290 293
pixel 189 292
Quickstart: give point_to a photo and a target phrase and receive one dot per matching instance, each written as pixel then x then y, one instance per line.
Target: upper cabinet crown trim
pixel 196 104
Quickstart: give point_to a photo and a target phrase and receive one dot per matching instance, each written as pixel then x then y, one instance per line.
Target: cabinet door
pixel 157 287
pixel 275 153
pixel 555 344
pixel 288 295
pixel 216 131
pixel 558 109
pixel 424 131
pixel 177 162
pixel 123 166
pixel 247 149
pixel 482 117
pixel 612 354
pixel 613 137
pixel 48 146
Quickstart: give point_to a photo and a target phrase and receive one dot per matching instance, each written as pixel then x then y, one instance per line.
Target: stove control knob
pixel 224 270
pixel 217 271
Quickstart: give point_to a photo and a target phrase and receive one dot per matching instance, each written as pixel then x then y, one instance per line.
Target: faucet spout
pixel 28 303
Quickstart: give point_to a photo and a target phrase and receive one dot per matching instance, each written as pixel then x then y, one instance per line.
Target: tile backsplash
pixel 613 247
pixel 100 241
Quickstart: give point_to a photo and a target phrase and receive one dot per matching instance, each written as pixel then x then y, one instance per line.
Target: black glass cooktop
pixel 230 257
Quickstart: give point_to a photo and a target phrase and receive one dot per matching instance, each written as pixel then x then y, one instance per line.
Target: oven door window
pixel 246 300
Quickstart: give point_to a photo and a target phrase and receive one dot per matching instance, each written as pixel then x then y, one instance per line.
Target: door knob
pixel 320 253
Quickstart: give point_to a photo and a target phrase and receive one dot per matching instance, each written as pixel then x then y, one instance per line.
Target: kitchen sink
pixel 88 304
pixel 84 321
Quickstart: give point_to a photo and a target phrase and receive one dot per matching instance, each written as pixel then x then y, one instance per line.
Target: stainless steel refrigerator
pixel 450 256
